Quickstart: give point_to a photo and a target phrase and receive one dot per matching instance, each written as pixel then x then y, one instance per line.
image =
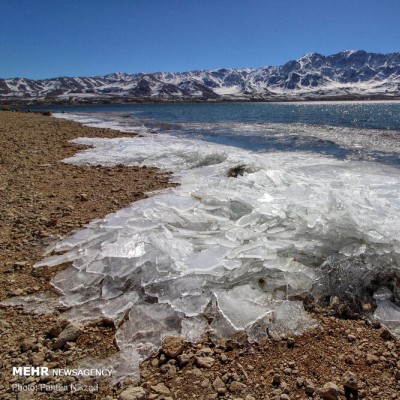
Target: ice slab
pixel 387 312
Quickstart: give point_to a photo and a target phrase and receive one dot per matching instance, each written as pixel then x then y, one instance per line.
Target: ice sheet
pixel 233 249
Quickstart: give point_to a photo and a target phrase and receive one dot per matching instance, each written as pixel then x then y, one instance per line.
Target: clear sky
pixel 48 38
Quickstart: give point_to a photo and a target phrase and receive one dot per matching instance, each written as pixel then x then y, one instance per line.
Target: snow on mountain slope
pixel 312 76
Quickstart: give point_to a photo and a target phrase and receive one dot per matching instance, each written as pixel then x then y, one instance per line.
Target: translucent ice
pixel 220 252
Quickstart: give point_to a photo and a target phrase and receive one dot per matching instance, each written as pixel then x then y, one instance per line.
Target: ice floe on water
pixel 228 253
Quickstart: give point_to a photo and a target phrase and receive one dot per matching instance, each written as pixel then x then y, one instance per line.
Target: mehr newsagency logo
pixel 29 371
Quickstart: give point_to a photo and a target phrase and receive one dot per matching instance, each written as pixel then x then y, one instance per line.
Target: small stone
pixel 19 265
pixel 249 397
pixel 205 384
pixel 375 391
pixel 154 362
pixel 386 335
pixel 372 359
pixel 329 391
pixel 183 359
pixel 56 329
pixel 83 197
pixel 309 387
pixel 285 387
pixel 161 389
pixel 291 342
pixel 288 371
pixel 224 358
pixel 335 301
pixel 237 387
pixel 397 375
pixel 284 397
pixel 351 338
pixel 173 346
pixel 27 344
pixel 37 359
pixel 206 351
pixel 70 333
pixel 218 383
pixel 276 380
pixel 26 395
pixel 350 380
pixel 133 393
pixel 221 391
pixel 204 362
pixel 299 382
pixel 349 360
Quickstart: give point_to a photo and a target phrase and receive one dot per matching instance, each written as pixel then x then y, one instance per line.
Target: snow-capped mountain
pixel 345 75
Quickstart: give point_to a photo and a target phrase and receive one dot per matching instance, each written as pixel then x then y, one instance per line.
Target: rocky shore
pixel 43 199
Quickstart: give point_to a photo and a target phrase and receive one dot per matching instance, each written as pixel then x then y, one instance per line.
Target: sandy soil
pixel 43 199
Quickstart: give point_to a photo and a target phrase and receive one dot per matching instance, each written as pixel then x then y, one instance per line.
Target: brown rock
pixel 372 359
pixel 329 391
pixel 133 393
pixel 70 333
pixel 276 380
pixel 237 387
pixel 204 362
pixel 56 329
pixel 27 344
pixel 309 387
pixel 173 346
pixel 184 359
pixel 161 389
pixel 218 384
pixel 350 380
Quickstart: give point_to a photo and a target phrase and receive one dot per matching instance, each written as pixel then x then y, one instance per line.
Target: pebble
pixel 133 393
pixel 237 387
pixel 329 391
pixel 300 382
pixel 372 359
pixel 351 338
pixel 276 380
pixel 204 362
pixel 218 383
pixel 161 389
pixel 70 333
pixel 173 346
pixel 309 387
pixel 375 391
pixel 25 395
pixel 350 380
pixel 184 359
pixel 27 344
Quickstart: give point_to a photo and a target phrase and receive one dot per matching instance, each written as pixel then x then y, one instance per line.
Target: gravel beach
pixel 43 200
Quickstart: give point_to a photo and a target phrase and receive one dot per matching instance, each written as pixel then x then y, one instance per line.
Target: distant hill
pixel 345 75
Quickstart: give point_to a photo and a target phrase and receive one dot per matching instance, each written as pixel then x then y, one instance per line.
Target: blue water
pixel 358 130
pixel 374 115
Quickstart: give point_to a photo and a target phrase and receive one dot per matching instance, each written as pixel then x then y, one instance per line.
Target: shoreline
pixel 43 198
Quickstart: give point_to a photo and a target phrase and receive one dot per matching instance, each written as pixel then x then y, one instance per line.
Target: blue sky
pixel 48 38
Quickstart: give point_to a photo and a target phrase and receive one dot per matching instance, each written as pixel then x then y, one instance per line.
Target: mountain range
pixel 345 75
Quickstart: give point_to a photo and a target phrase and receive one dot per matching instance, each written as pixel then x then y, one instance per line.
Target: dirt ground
pixel 43 199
